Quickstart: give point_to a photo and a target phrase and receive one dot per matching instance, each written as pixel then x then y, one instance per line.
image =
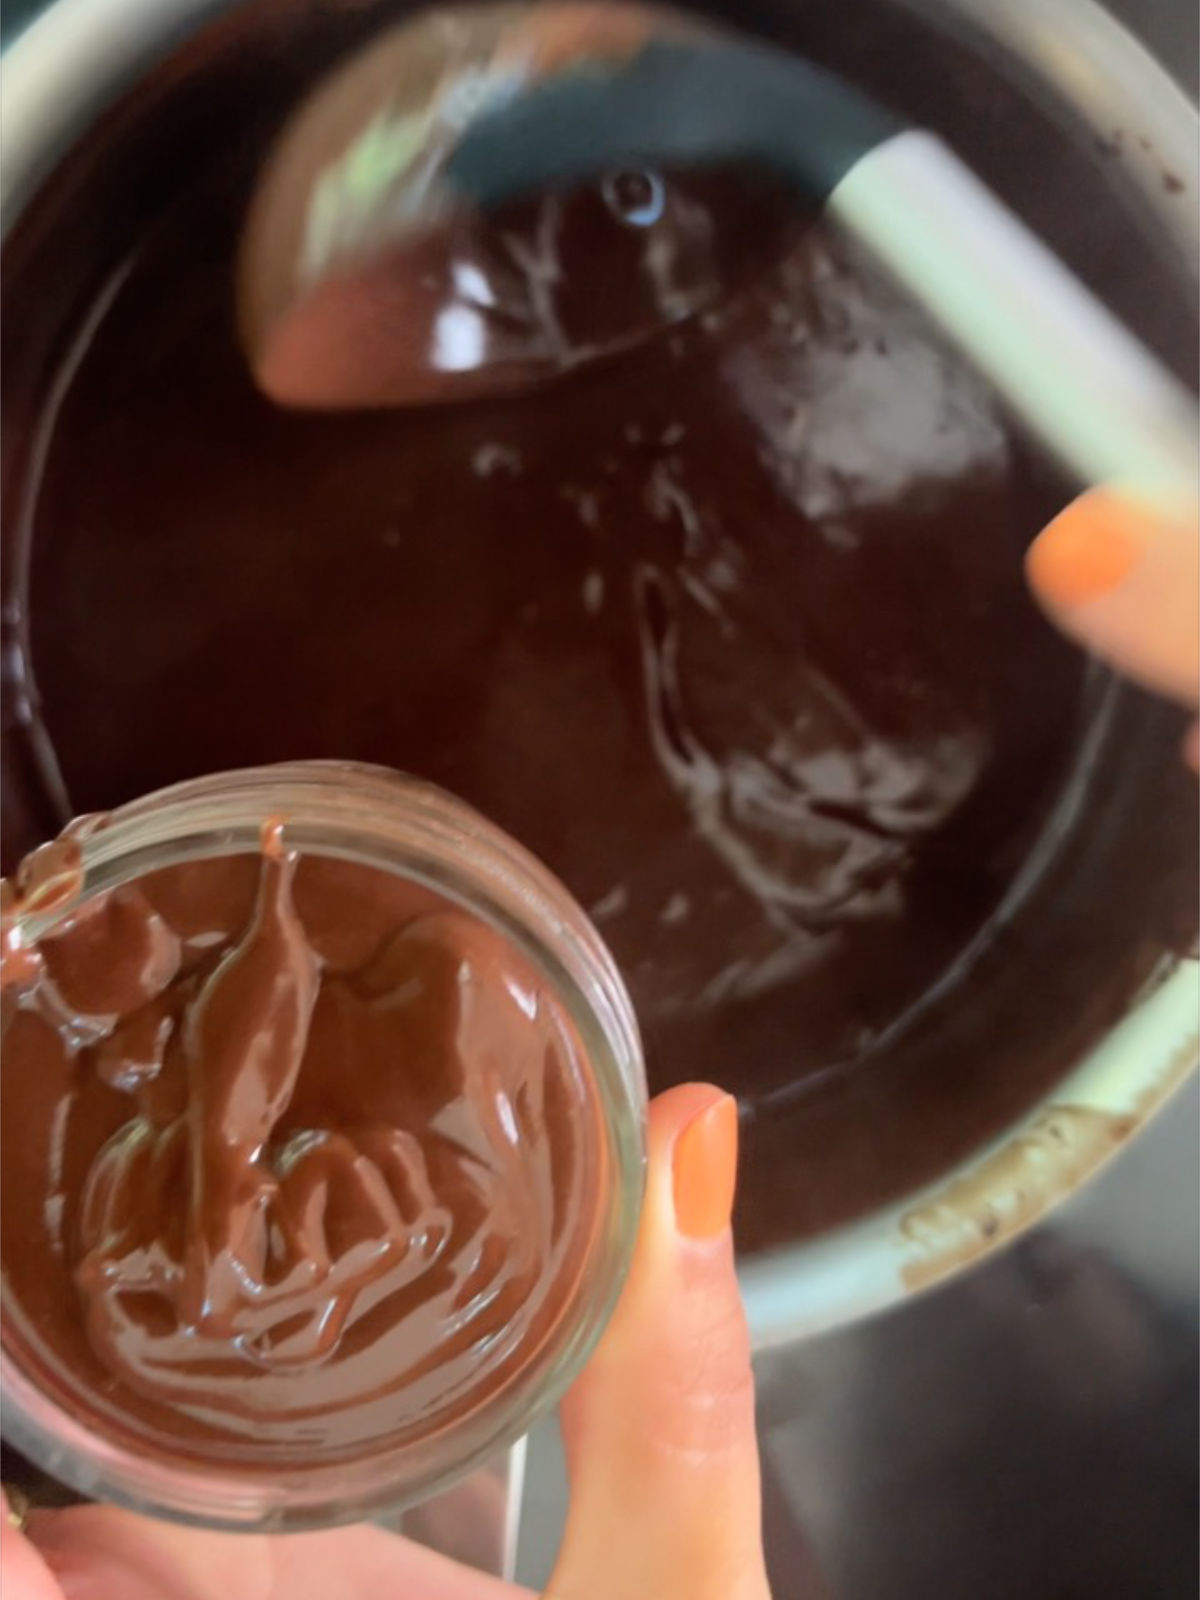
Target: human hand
pixel 1123 578
pixel 659 1431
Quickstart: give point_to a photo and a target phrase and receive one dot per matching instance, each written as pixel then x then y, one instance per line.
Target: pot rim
pixel 77 56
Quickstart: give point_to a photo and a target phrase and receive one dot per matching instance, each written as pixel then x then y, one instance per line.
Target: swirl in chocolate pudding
pixel 319 1169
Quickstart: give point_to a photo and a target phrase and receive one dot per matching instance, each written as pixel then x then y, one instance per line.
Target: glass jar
pixel 397 826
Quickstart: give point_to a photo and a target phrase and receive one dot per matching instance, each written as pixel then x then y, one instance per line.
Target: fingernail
pixel 704 1170
pixel 1089 549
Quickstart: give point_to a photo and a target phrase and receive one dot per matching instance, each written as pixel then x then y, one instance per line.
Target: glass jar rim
pixel 389 821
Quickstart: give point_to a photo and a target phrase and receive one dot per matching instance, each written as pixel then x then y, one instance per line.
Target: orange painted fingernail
pixel 704 1170
pixel 1089 549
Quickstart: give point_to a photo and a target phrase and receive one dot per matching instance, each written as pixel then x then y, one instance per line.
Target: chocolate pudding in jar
pixel 322 1144
pixel 728 626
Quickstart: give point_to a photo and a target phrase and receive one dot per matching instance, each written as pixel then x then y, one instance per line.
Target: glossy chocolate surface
pixel 299 1158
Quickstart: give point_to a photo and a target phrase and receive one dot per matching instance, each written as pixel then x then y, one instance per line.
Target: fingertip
pixel 704 1169
pixel 673 1109
pixel 1088 550
pixel 1120 572
pixel 692 1149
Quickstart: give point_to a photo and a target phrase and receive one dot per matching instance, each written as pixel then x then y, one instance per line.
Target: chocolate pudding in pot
pixel 729 626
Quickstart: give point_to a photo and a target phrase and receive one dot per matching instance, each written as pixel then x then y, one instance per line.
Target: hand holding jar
pixel 353 1100
pixel 659 1430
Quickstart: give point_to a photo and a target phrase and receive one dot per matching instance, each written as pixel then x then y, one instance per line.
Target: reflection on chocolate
pixel 484 308
pixel 296 1153
pixel 355 289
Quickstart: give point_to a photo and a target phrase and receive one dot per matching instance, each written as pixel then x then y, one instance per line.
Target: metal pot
pixel 1064 70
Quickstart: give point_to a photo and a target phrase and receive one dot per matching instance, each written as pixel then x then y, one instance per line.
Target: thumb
pixel 1122 575
pixel 659 1430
